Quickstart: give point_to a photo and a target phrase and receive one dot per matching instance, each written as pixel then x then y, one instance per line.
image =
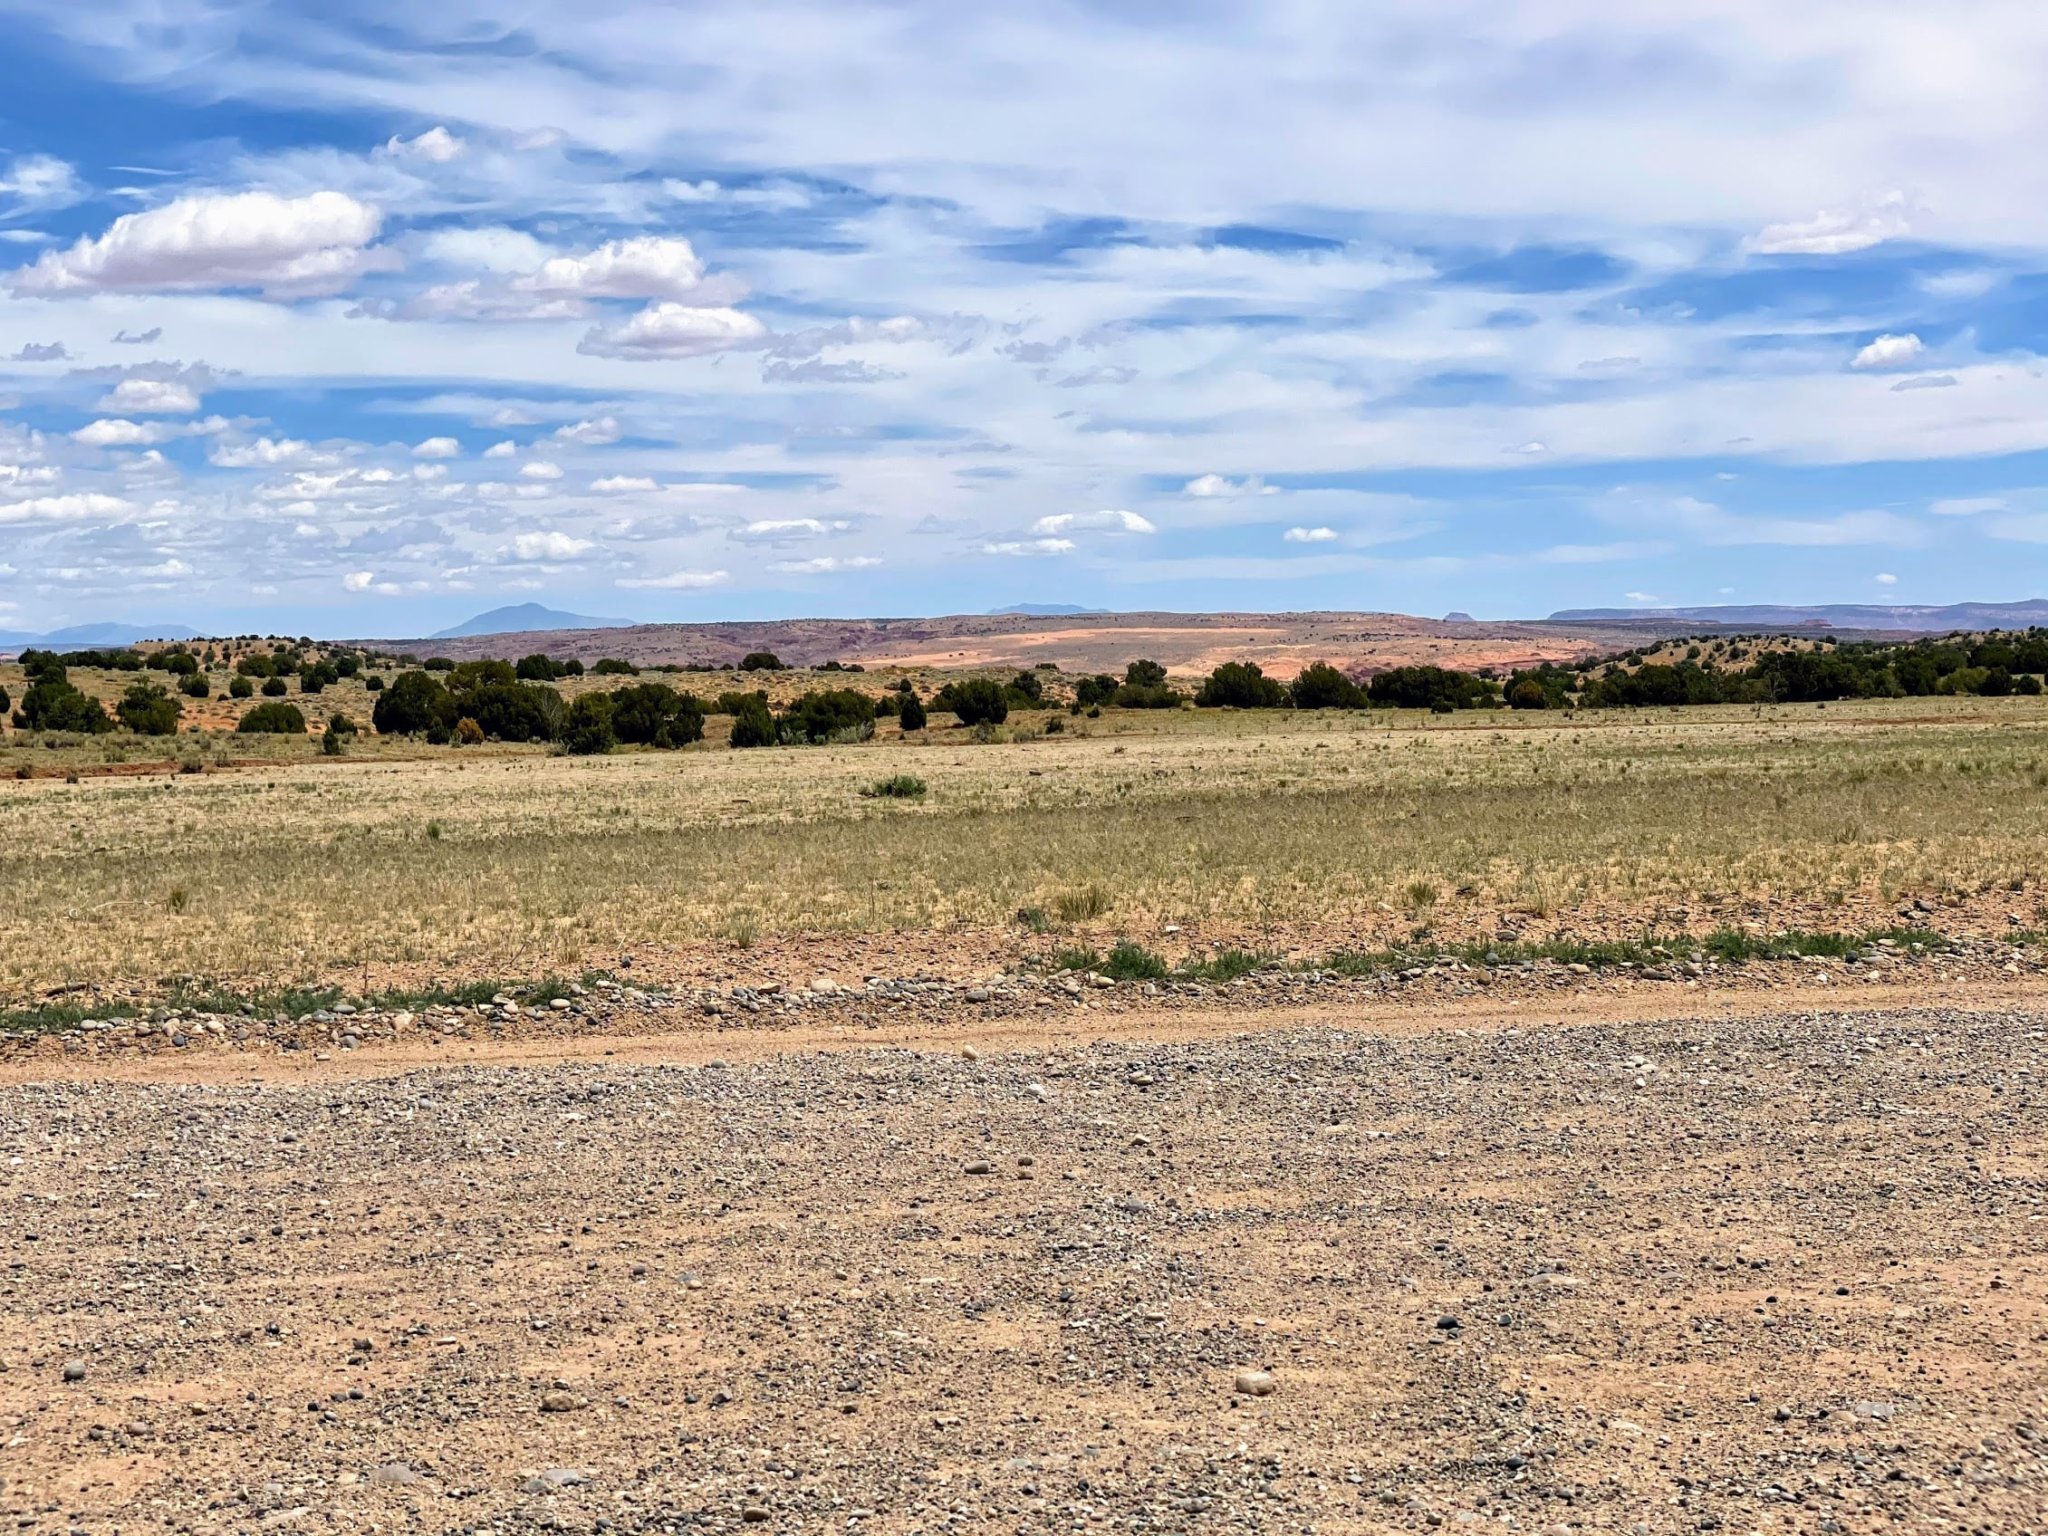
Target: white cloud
pixel 781 530
pixel 673 330
pixel 1886 579
pixel 150 395
pixel 1106 522
pixel 284 246
pixel 33 183
pixel 82 506
pixel 1967 506
pixel 1310 535
pixel 271 453
pixel 549 546
pixel 25 474
pixel 117 432
pixel 1212 486
pixel 357 581
pixel 616 484
pixel 505 450
pixel 678 580
pixel 540 469
pixel 644 267
pixel 1023 547
pixel 437 448
pixel 1889 352
pixel 488 247
pixel 825 564
pixel 1834 232
pixel 594 433
pixel 437 146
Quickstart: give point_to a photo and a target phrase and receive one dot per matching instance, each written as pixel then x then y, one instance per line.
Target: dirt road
pixel 1758 1266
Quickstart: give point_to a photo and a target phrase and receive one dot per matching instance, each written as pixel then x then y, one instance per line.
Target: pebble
pixel 1255 1384
pixel 74 1370
pixel 560 1402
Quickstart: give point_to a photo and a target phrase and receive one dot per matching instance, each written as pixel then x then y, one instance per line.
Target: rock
pixel 977 994
pixel 753 1514
pixel 393 1474
pixel 74 1370
pixel 559 1401
pixel 976 1167
pixel 1447 1324
pixel 1038 1091
pixel 969 1053
pixel 552 1478
pixel 824 986
pixel 1254 1384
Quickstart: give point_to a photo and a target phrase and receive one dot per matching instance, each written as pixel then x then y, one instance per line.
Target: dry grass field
pixel 1283 830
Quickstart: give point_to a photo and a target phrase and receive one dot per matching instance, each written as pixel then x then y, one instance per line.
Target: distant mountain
pixel 1827 616
pixel 1042 610
pixel 85 637
pixel 1459 616
pixel 522 617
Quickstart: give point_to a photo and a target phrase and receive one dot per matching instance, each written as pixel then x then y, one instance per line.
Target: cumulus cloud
pixel 644 267
pixel 826 564
pixel 72 507
pixel 437 448
pixel 1024 547
pixel 676 581
pixel 783 530
pixel 1886 579
pixel 1093 522
pixel 1209 487
pixel 671 331
pixel 282 246
pixel 1889 352
pixel 549 545
pixel 488 247
pixel 437 146
pixel 505 450
pixel 1310 535
pixel 151 396
pixel 357 581
pixel 613 485
pixel 1835 231
pixel 540 469
pixel 117 432
pixel 271 453
pixel 594 433
pixel 41 352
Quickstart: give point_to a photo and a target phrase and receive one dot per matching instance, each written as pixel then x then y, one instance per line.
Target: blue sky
pixel 364 320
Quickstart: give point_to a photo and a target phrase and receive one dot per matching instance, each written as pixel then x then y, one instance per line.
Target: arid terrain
pixel 1186 643
pixel 1708 1265
pixel 1183 1120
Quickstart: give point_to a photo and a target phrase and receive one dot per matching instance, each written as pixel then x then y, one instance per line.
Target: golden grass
pixel 522 863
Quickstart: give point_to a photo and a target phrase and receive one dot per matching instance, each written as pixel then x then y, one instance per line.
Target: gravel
pixel 1797 1275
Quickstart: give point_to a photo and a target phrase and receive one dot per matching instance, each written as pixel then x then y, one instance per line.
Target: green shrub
pixel 830 714
pixel 513 711
pixel 910 711
pixel 373 683
pixel 1093 691
pixel 148 710
pixel 903 786
pixel 752 725
pixel 656 715
pixel 762 661
pixel 588 731
pixel 53 704
pixel 1241 685
pixel 5 702
pixel 1145 674
pixel 415 702
pixel 339 724
pixel 240 687
pixel 272 719
pixel 612 666
pixel 1130 961
pixel 194 687
pixel 975 701
pixel 731 703
pixel 273 688
pixel 1322 686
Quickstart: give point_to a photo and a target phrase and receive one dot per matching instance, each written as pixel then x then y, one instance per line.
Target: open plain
pixel 1181 1120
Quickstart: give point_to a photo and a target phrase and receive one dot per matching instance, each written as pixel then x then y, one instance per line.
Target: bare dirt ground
pixel 1673 1261
pixel 1187 643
